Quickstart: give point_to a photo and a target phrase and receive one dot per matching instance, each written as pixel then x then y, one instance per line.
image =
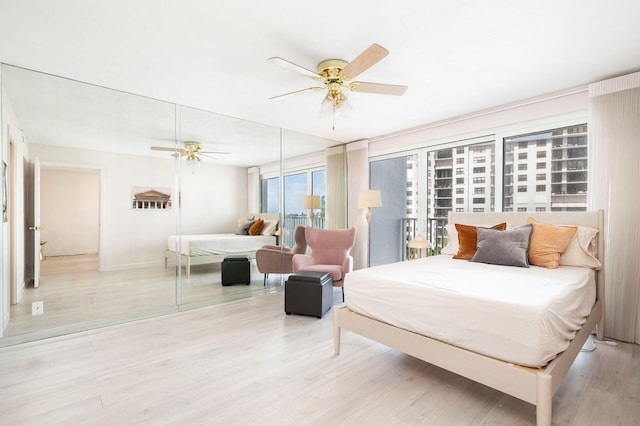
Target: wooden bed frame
pixel 534 385
pixel 189 261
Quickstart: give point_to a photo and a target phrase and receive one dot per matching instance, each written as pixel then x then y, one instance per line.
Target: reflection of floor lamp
pixel 419 243
pixel 369 199
pixel 311 203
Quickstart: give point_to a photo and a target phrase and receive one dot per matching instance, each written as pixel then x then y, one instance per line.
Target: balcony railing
pixel 291 221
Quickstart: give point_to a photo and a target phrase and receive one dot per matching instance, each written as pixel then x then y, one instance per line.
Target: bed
pixel 204 249
pixel 521 348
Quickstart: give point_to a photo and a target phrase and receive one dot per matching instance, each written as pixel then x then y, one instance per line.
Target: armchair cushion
pixel 330 250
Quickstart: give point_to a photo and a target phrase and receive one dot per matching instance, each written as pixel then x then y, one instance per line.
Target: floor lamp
pixel 369 199
pixel 311 203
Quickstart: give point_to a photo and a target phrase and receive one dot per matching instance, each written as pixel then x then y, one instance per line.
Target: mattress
pixel 524 316
pixel 211 244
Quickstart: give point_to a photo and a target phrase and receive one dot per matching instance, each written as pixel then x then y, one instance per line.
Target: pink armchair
pixel 277 260
pixel 330 252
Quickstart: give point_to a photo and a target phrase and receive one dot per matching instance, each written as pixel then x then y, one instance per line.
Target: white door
pixel 34 226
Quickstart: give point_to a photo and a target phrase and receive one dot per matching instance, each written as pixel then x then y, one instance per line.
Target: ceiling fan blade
pixel 382 89
pixel 372 55
pixel 162 148
pixel 308 89
pixel 294 67
pixel 200 154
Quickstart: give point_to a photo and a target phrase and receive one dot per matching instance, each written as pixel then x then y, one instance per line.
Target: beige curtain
pixel 253 190
pixel 336 202
pixel 358 180
pixel 614 139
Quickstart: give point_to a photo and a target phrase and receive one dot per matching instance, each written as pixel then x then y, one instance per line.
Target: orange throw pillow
pixel 468 239
pixel 256 228
pixel 548 242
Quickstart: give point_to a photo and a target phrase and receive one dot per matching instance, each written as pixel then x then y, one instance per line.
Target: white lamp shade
pixel 311 202
pixel 419 243
pixel 369 199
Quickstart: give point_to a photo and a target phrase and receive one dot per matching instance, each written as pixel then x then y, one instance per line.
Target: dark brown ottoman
pixel 236 270
pixel 308 293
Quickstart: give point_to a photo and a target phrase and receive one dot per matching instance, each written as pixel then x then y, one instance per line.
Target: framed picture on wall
pixel 148 198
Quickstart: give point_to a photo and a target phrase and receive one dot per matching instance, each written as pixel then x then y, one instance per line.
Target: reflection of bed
pixel 213 248
pixel 498 325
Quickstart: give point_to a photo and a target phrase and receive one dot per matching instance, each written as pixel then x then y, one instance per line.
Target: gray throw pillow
pixel 243 229
pixel 509 248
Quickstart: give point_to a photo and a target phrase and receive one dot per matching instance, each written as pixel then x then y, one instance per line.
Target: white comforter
pixel 521 315
pixel 208 244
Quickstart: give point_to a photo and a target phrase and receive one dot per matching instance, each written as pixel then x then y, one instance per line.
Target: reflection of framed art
pixel 5 207
pixel 146 198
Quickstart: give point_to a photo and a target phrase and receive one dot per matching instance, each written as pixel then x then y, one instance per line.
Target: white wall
pixel 69 211
pixel 212 200
pixel 550 110
pixel 12 267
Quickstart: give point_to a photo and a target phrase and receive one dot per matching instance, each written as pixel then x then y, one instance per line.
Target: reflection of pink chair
pixel 277 260
pixel 330 252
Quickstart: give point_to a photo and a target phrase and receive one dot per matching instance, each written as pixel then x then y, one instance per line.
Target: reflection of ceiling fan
pixel 335 74
pixel 192 150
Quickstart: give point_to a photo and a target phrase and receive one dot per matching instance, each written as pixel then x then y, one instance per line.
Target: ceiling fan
pixel 191 149
pixel 336 74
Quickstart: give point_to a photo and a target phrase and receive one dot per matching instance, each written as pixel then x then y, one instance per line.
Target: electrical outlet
pixel 91 299
pixel 37 308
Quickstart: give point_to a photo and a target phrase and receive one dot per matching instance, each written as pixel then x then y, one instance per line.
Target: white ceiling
pixel 456 57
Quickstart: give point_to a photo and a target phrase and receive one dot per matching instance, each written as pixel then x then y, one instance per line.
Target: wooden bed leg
pixel 336 333
pixel 544 399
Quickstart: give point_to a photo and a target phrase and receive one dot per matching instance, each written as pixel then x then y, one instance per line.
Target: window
pixel 566 165
pixel 457 162
pixel 541 209
pixel 479 190
pixel 522 209
pixel 478 209
pixel 522 166
pixel 478 200
pixel 270 195
pixel 522 178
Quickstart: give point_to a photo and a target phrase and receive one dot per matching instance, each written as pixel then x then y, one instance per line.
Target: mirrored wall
pixel 103 186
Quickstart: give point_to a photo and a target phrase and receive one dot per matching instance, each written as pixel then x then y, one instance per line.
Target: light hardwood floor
pixel 78 297
pixel 246 362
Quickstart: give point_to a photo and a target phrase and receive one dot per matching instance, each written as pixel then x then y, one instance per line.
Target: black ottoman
pixel 236 270
pixel 308 293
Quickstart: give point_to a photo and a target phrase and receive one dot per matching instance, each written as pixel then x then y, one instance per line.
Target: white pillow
pixel 452 243
pixel 582 249
pixel 269 227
